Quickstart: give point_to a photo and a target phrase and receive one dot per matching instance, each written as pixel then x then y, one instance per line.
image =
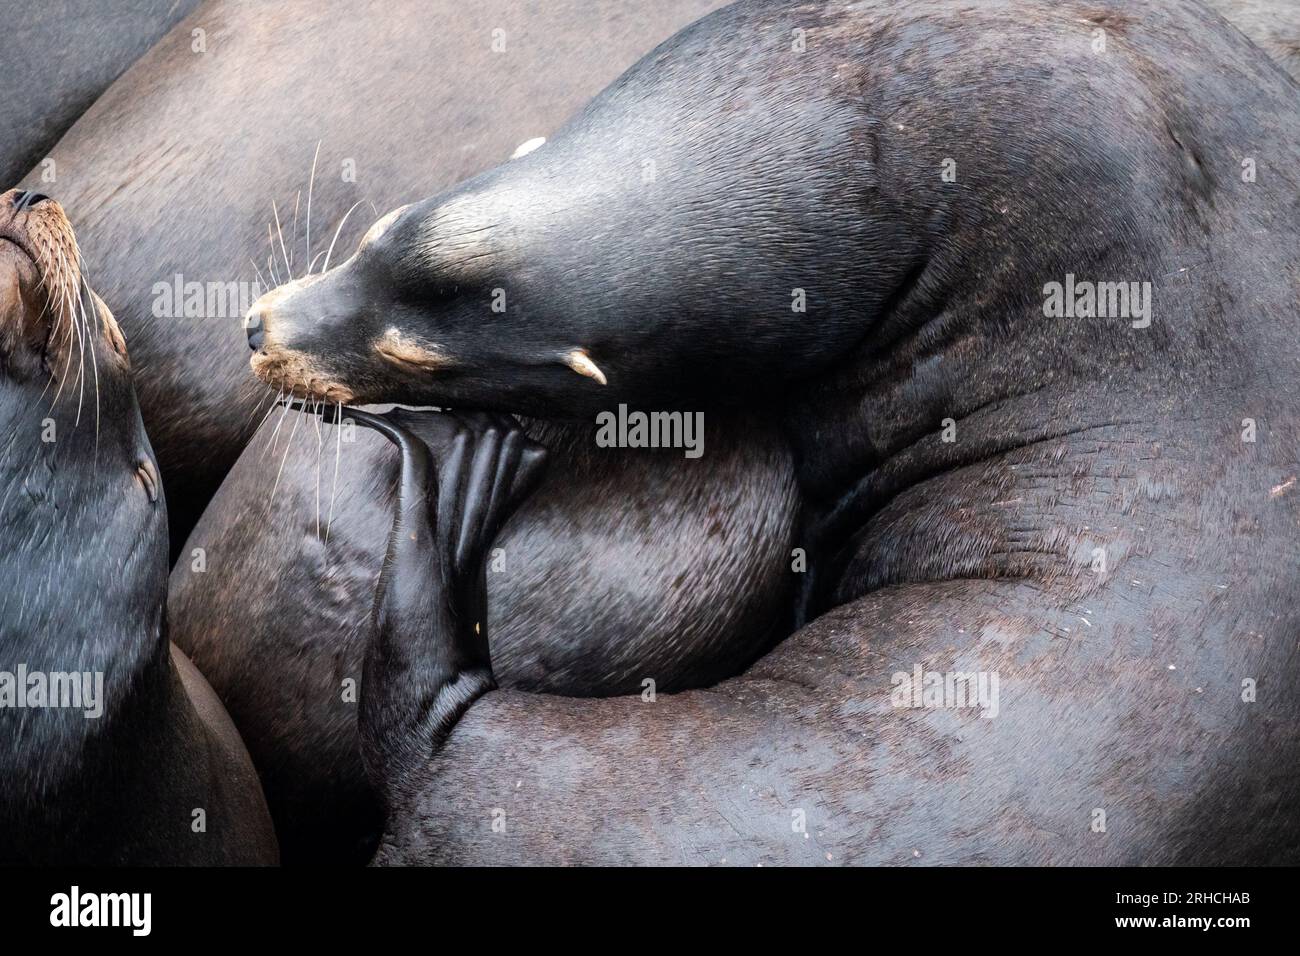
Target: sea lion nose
pixel 253 329
pixel 26 200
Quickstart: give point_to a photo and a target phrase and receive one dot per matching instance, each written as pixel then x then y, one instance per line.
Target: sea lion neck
pixel 979 361
pixel 84 592
pixel 81 503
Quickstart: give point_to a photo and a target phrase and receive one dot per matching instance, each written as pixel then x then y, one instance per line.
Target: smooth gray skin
pixel 57 57
pixel 175 168
pixel 1113 531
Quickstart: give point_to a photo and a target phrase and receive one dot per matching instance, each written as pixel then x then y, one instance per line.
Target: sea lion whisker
pixel 68 360
pixel 84 339
pixel 276 396
pixel 311 182
pixel 338 454
pixel 258 408
pixel 77 272
pixel 287 448
pixel 67 365
pixel 53 296
pixel 270 259
pixel 283 414
pixel 81 360
pixel 66 296
pixel 319 444
pixel 293 233
pixel 330 252
pixel 336 416
pixel 84 295
pixel 288 267
pixel 260 278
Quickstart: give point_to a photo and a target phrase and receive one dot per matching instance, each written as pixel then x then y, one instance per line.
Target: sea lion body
pixel 114 750
pixel 1089 506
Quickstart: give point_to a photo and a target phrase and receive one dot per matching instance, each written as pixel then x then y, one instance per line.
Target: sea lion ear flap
pixel 581 362
pixel 527 146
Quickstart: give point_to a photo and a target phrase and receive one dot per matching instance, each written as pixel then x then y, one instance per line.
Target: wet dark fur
pixel 1122 690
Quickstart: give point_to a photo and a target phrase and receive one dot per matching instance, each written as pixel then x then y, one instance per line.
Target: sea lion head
pixel 657 249
pixel 442 303
pixel 67 406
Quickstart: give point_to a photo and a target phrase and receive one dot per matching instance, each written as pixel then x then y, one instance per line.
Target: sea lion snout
pixel 253 328
pixel 35 271
pixel 16 209
pixel 280 316
pixel 289 331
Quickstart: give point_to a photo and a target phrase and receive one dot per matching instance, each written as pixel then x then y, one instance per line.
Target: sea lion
pixel 429 635
pixel 211 138
pixel 56 58
pixel 1039 409
pixel 113 748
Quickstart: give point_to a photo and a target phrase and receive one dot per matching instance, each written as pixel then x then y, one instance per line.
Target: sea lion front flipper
pixel 462 475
